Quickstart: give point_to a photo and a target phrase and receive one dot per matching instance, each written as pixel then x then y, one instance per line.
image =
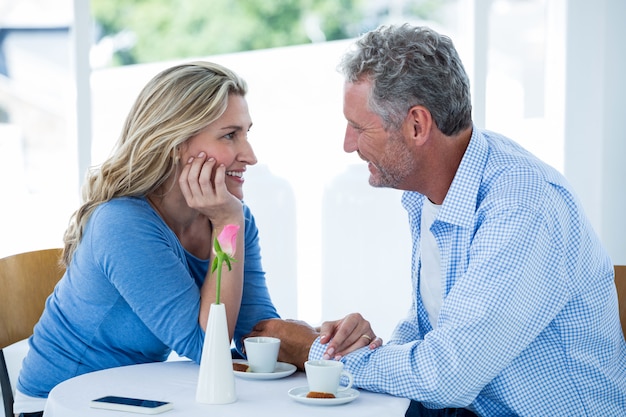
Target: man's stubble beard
pixel 395 165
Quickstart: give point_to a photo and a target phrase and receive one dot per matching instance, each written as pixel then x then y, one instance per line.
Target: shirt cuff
pixel 317 350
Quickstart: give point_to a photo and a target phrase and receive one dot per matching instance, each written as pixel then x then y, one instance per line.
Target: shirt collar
pixel 460 202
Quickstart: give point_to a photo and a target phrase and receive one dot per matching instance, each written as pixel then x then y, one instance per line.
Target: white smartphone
pixel 132 405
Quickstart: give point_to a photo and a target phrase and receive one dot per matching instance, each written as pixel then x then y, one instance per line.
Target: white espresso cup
pixel 262 353
pixel 325 376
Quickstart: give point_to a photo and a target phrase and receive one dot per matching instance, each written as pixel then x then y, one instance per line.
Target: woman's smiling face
pixel 226 140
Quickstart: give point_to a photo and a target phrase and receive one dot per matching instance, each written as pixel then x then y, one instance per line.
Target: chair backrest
pixel 620 283
pixel 26 281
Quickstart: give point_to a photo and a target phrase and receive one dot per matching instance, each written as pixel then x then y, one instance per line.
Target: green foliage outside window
pixel 158 30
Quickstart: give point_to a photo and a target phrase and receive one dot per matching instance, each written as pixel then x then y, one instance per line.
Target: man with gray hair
pixel 514 309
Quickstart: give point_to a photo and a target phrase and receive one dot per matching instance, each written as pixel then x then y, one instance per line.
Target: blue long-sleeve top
pixel 131 295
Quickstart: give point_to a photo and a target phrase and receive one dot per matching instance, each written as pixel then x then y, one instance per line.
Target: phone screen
pixel 136 402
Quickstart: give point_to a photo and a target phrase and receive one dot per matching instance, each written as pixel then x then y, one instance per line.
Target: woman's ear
pixel 418 124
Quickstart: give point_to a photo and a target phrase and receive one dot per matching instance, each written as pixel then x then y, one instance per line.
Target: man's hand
pixel 296 338
pixel 346 335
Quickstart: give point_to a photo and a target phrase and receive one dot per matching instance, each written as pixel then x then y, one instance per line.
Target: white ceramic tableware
pixel 324 376
pixel 262 353
pixel 299 394
pixel 281 370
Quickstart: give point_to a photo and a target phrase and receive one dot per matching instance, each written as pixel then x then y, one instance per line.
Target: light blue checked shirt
pixel 529 324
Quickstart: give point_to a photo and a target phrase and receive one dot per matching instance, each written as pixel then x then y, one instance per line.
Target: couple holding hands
pixel 514 309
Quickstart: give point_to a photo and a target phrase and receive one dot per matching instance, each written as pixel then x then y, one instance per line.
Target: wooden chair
pixel 620 283
pixel 26 281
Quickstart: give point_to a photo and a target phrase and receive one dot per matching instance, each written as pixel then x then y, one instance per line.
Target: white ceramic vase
pixel 216 379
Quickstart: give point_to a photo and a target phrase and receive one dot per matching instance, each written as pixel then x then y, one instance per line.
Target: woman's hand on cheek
pixel 202 182
pixel 189 178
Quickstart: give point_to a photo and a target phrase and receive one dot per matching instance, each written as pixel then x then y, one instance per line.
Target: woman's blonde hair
pixel 174 106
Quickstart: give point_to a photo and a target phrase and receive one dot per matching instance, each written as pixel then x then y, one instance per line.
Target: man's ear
pixel 418 124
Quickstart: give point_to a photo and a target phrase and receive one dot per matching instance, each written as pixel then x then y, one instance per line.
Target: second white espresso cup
pixel 262 353
pixel 325 376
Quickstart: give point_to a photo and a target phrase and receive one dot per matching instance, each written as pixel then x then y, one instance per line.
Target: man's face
pixel 389 158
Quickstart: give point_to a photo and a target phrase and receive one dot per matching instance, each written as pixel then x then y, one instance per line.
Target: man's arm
pixel 345 335
pixel 296 338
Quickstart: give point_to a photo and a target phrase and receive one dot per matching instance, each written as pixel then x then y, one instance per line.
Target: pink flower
pixel 224 247
pixel 228 239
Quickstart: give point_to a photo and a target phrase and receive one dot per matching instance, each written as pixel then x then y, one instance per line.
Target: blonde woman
pixel 138 250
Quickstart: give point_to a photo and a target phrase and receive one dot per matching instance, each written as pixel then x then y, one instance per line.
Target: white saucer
pixel 299 394
pixel 282 370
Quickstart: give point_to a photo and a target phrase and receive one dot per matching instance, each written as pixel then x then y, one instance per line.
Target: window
pixel 320 222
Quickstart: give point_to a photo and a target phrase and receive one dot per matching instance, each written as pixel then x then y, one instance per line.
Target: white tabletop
pixel 175 381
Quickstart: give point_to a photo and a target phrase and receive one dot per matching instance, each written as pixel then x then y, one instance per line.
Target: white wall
pixel 305 193
pixel 595 132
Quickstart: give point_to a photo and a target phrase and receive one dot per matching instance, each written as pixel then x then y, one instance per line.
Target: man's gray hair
pixel 411 66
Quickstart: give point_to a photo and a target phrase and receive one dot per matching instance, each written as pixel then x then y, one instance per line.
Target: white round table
pixel 175 381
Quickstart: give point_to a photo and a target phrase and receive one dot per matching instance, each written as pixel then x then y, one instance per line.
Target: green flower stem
pixel 219 280
pixel 218 263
